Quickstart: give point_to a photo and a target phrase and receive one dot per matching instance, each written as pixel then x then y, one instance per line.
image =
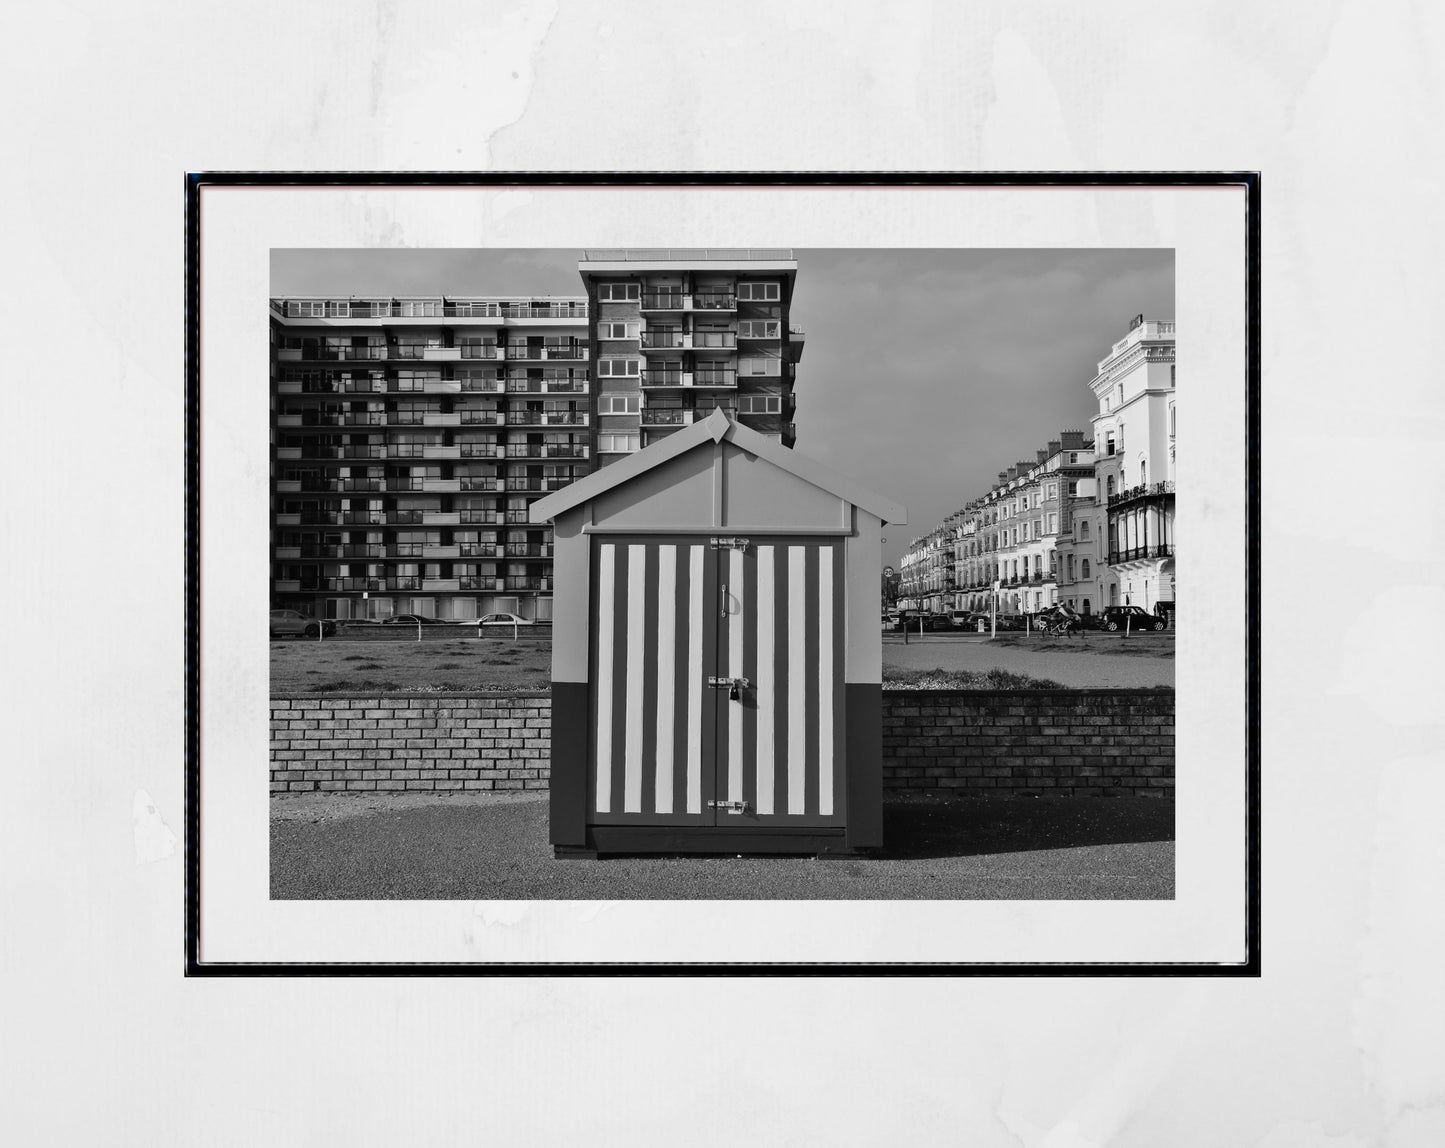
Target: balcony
pixel 666 340
pixel 481 485
pixel 440 518
pixel 1140 493
pixel 481 450
pixel 441 354
pixel 483 418
pixel 454 451
pixel 666 378
pixel 442 585
pixel 516 352
pixel 654 417
pixel 528 583
pixel 441 485
pixel 1140 553
pixel 544 450
pixel 288 585
pixel 437 419
pixel 666 301
pixel 545 386
pixel 528 550
pixel 481 582
pixel 547 418
pixel 481 351
pixel 714 301
pixel 480 550
pixel 714 340
pixel 715 379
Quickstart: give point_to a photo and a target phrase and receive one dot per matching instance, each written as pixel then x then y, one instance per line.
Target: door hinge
pixel 718 542
pixel 729 806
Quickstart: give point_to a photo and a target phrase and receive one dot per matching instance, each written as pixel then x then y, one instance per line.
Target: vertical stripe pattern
pixel 668 615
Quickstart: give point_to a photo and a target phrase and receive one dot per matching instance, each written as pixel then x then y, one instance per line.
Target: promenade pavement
pixel 493 846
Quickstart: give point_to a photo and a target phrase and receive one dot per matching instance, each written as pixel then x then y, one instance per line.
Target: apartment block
pixel 679 334
pixel 410 434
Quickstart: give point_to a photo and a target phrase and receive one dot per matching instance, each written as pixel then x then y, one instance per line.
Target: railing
pixel 714 340
pixel 480 517
pixel 547 418
pixel 481 351
pixel 545 386
pixel 664 418
pixel 482 418
pixel 664 300
pixel 480 550
pixel 662 378
pixel 715 379
pixel 1134 493
pixel 714 300
pixel 662 340
pixel 481 450
pixel 544 450
pixel 481 484
pixel 528 550
pixel 518 583
pixel 1159 550
pixel 406 583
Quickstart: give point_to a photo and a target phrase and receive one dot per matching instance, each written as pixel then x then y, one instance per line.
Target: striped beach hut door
pixel 717 666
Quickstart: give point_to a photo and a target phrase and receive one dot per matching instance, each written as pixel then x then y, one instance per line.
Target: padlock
pixel 733 692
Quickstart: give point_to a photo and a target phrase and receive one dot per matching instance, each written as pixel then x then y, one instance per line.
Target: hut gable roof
pixel 717 427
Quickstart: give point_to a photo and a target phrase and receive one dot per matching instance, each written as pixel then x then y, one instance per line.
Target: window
pixel 306 310
pixel 760 329
pixel 759 292
pixel 1109 443
pixel 1120 443
pixel 618 368
pixel 1143 474
pixel 1084 532
pixel 1051 491
pixel 1171 374
pixel 1073 489
pixel 417 310
pixel 1084 566
pixel 1026 531
pixel 1171 420
pixel 618 330
pixel 759 404
pixel 1053 523
pixel 1109 486
pixel 617 443
pixel 619 404
pixel 617 292
pixel 760 366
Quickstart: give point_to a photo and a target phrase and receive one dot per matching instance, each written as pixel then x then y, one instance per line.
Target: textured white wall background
pixel 1339 1044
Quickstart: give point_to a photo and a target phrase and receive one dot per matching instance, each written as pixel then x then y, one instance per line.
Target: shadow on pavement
pixel 966 827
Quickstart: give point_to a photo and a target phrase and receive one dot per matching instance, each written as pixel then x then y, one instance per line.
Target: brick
pixel 405 774
pixel 278 787
pixel 475 785
pixel 447 784
pixel 361 785
pixel 391 785
pixel 415 784
pixel 431 773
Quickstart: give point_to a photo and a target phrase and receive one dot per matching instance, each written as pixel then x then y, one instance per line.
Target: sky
pixel 924 373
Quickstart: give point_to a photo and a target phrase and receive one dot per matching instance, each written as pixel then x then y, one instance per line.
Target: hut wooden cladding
pixel 716 652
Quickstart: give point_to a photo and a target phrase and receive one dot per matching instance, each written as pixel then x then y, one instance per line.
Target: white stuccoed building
pixel 1134 465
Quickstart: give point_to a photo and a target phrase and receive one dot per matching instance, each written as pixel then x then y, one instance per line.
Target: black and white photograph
pixel 581 555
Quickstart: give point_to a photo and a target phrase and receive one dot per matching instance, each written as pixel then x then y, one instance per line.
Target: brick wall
pixel 1021 742
pixel 1030 742
pixel 442 742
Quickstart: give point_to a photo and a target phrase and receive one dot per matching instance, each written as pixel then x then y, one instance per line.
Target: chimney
pixel 1042 455
pixel 1054 446
pixel 1072 440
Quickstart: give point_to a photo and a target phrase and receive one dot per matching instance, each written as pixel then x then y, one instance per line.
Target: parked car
pixel 499 620
pixel 294 622
pixel 1136 617
pixel 413 620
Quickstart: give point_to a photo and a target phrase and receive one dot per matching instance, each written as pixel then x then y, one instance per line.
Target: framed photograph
pixel 741 573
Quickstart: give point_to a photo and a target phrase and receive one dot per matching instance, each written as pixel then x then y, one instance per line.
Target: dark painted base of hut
pixel 613 840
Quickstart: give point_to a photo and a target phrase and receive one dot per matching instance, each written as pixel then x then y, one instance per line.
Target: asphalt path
pixel 492 846
pixel 1091 661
